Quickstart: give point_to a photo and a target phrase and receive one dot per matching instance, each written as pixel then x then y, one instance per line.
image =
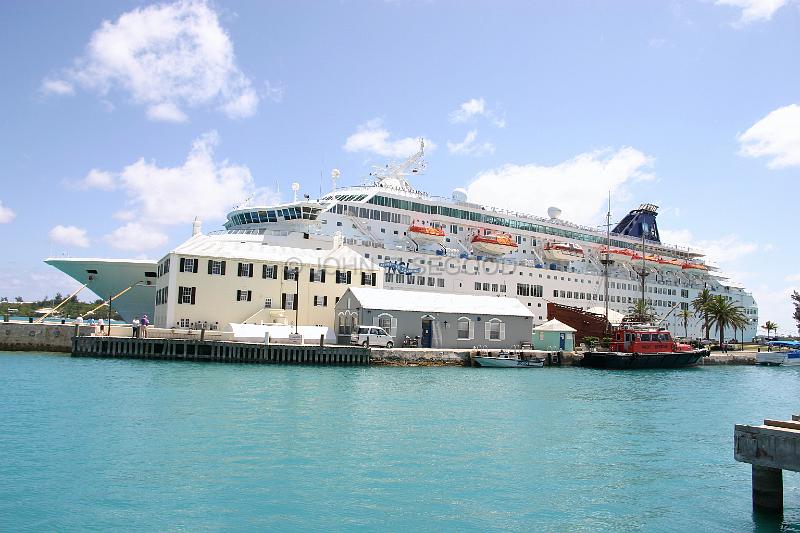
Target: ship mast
pixel 606 261
pixel 643 272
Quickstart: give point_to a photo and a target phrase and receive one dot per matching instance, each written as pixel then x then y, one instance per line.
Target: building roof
pixel 225 248
pixel 555 325
pixel 437 302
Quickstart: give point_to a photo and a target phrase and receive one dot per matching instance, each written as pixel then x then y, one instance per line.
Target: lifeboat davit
pixel 496 244
pixel 562 251
pixel 425 233
pixel 618 255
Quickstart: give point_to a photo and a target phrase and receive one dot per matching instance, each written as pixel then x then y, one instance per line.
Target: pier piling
pixel 770 448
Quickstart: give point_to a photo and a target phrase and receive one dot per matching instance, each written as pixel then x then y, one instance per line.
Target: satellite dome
pixel 460 195
pixel 553 212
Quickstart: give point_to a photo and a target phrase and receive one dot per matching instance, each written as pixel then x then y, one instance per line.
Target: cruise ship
pixel 429 243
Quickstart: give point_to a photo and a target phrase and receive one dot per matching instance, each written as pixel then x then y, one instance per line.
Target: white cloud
pixel 753 10
pixel 469 147
pixel 97 179
pixel 273 92
pixel 136 237
pixel 475 107
pixel 199 187
pixel 125 215
pixel 166 111
pixel 6 214
pixel 373 137
pixel 579 186
pixel 69 235
pixel 722 251
pixel 776 136
pixel 58 87
pixel 166 57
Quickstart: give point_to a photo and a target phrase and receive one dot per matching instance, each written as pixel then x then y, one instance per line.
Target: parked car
pixel 371 336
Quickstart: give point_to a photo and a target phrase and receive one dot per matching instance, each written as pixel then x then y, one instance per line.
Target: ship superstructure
pixel 430 243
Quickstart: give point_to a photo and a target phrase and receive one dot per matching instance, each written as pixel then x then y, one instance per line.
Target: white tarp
pixel 279 332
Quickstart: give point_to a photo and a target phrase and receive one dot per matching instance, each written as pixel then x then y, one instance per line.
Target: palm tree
pixel 641 312
pixel 770 326
pixel 723 313
pixel 700 306
pixel 684 315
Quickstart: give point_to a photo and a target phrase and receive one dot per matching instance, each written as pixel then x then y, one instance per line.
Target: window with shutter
pixel 374 279
pixel 194 293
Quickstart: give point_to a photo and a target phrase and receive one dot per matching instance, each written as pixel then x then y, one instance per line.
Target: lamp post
pixel 296 297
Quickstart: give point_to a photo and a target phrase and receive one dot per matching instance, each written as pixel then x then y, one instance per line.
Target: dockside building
pixel 209 282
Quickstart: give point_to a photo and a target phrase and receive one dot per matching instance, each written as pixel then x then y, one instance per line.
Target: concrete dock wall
pixel 219 351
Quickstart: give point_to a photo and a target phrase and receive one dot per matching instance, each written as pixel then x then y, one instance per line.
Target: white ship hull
pixel 112 277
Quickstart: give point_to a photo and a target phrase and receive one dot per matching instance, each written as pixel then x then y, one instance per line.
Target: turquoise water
pixel 164 446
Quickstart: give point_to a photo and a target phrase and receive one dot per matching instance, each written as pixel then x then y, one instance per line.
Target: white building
pixel 211 282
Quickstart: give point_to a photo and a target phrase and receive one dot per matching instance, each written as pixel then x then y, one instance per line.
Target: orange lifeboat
pixel 562 251
pixel 696 268
pixel 425 233
pixel 670 264
pixel 495 244
pixel 618 255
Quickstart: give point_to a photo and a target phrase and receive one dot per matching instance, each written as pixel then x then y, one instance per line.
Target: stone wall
pixel 23 336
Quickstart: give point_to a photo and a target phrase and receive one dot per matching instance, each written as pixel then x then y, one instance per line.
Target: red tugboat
pixel 640 346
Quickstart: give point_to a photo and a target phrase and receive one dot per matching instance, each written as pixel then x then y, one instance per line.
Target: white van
pixel 371 336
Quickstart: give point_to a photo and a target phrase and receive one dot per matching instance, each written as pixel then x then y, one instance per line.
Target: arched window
pixel 466 331
pixel 388 323
pixel 495 330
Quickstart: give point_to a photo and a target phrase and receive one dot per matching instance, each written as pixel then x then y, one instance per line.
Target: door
pixel 427 333
pixel 562 341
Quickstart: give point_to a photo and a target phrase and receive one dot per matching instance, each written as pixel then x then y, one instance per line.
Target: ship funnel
pixel 196 226
pixel 553 212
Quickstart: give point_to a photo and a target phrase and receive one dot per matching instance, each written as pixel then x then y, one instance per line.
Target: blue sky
pixel 121 121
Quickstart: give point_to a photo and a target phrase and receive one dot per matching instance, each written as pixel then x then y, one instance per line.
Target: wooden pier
pixel 771 448
pixel 219 351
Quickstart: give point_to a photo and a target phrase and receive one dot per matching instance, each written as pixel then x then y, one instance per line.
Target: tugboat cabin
pixel 643 340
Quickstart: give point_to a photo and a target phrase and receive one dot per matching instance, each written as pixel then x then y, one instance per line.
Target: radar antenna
pixel 393 174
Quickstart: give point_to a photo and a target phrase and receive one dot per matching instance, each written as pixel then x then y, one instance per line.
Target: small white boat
pixel 508 360
pixel 790 358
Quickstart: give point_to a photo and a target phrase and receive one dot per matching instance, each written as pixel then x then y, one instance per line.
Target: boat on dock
pixel 788 358
pixel 638 346
pixel 508 360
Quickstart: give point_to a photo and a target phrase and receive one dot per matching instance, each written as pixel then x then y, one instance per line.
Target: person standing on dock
pixel 135 327
pixel 102 324
pixel 143 323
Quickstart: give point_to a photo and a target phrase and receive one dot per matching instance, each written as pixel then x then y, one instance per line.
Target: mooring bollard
pixel 322 340
pixel 202 334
